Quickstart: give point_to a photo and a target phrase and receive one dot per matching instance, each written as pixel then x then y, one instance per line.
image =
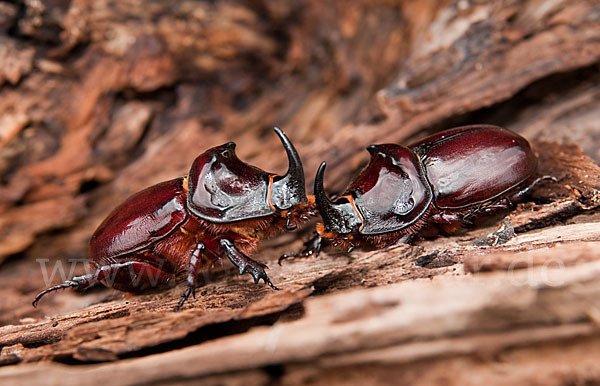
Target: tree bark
pixel 99 99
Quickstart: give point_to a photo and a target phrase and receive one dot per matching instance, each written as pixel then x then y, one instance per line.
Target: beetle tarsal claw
pixel 79 282
pixel 257 271
pixel 311 247
pixel 188 291
pixel 246 264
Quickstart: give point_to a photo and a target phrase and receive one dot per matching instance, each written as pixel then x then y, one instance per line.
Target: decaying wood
pixel 390 326
pixel 100 99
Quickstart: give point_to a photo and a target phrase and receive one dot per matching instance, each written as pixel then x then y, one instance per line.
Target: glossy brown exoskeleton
pixel 223 207
pixel 442 181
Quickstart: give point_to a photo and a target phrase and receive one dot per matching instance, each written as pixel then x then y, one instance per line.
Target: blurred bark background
pixel 99 99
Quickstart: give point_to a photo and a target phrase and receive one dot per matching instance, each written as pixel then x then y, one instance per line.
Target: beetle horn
pixel 295 171
pixel 326 207
pixel 339 217
pixel 289 190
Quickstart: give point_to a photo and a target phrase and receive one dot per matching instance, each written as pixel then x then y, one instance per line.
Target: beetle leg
pixel 79 282
pixel 82 282
pixel 351 247
pixel 534 183
pixel 246 264
pixel 471 213
pixel 192 275
pixel 311 247
pixel 453 218
pixel 289 226
pixel 504 203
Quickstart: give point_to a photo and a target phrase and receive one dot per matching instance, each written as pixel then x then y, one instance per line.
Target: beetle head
pixel 390 194
pixel 339 216
pixel 222 188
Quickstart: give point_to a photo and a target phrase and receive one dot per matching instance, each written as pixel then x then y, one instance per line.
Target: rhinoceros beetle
pixel 444 180
pixel 222 207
